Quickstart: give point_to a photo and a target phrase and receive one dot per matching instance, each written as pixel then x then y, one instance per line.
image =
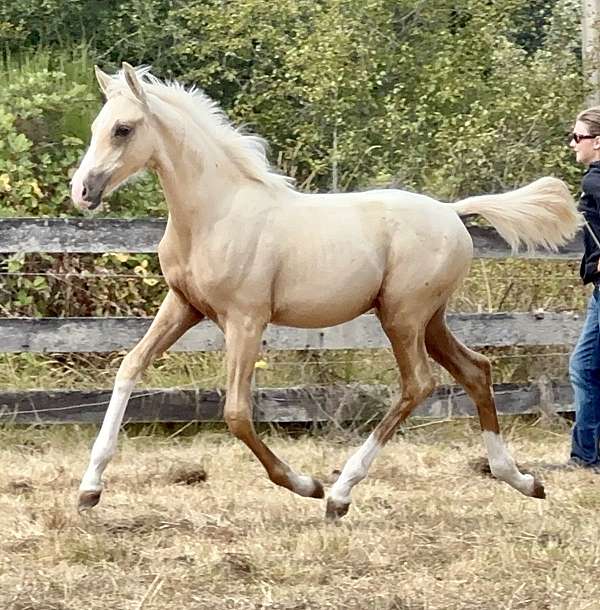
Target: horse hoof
pixel 336 510
pixel 538 490
pixel 88 499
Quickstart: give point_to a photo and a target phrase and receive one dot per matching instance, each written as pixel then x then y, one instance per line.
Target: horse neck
pixel 200 178
pixel 197 187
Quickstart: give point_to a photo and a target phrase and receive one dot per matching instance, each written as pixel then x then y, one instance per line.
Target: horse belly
pixel 325 299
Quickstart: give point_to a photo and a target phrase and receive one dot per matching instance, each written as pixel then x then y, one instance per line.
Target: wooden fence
pixel 305 404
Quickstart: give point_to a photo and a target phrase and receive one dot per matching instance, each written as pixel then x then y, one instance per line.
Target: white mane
pixel 247 152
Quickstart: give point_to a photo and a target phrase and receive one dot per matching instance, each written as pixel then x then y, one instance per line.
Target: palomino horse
pixel 244 248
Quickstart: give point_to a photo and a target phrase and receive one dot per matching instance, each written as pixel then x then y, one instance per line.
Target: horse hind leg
pixel 473 372
pixel 243 337
pixel 417 384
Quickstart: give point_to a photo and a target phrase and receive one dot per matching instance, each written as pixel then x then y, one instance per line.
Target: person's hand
pixel 598 267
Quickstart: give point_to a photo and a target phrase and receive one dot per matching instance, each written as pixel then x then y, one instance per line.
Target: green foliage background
pixel 445 97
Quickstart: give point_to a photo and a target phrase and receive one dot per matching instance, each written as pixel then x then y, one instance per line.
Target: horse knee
pixel 132 366
pixel 480 365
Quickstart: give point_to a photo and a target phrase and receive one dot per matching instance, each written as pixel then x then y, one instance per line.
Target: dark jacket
pixel 589 205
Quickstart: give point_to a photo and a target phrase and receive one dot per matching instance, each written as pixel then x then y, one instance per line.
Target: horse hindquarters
pixel 413 290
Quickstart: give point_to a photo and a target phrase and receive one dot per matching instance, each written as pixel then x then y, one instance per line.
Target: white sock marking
pixel 503 465
pixel 106 441
pixel 355 470
pixel 303 484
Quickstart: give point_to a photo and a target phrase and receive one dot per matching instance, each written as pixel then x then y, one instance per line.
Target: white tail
pixel 542 213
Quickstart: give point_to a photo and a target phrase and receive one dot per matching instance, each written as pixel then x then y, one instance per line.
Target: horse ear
pixel 103 80
pixel 134 83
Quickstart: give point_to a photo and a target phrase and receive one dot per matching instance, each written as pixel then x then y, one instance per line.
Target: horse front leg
pixel 242 338
pixel 173 319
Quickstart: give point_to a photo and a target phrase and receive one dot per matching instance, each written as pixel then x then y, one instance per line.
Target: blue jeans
pixel 584 372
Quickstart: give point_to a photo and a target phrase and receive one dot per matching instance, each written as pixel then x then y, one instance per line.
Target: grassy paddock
pixel 425 532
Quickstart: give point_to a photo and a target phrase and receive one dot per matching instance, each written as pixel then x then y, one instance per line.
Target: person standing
pixel 584 363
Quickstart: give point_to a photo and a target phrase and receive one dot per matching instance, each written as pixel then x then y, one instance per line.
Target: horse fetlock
pixel 281 477
pixel 504 467
pixel 305 485
pixel 503 470
pixel 319 490
pixel 527 484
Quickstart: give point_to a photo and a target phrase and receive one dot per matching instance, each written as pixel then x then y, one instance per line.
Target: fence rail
pixel 316 404
pixel 61 335
pixel 320 404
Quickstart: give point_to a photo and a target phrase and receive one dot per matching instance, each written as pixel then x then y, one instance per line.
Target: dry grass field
pixel 425 531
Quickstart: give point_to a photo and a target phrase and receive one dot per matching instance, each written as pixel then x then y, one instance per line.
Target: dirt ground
pixel 192 522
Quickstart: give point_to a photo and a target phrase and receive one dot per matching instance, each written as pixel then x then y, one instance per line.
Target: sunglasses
pixel 578 137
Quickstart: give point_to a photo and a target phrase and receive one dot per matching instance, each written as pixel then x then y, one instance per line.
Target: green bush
pixel 35 153
pixel 45 117
pixel 67 285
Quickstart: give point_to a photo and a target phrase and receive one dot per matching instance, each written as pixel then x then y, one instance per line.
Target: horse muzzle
pixel 87 193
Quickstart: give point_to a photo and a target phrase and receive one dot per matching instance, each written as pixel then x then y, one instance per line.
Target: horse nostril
pixel 84 191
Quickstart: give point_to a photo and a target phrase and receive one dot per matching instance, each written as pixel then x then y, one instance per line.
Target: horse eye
pixel 122 131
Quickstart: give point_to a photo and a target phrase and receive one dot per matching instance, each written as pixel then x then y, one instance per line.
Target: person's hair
pixel 591 117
